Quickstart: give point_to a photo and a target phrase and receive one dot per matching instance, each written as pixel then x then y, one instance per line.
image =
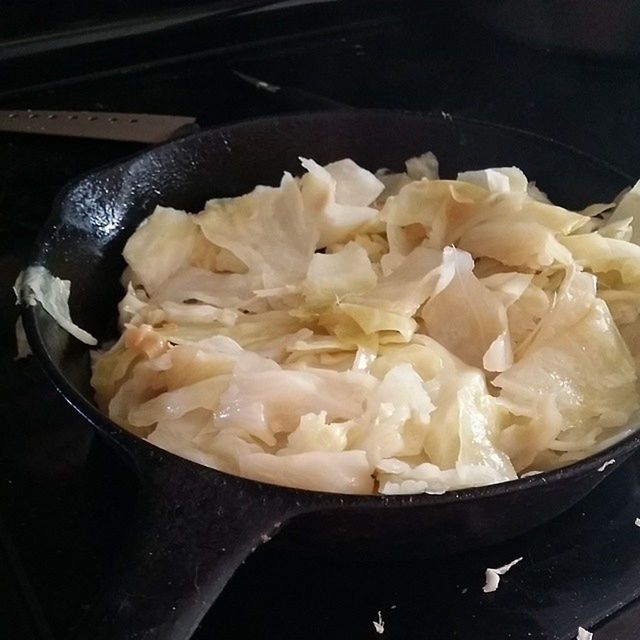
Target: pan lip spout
pixel 141 452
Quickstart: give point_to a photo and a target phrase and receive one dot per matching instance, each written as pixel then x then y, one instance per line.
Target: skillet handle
pixel 193 529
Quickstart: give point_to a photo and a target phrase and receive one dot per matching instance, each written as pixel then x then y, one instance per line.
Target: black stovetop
pixel 66 500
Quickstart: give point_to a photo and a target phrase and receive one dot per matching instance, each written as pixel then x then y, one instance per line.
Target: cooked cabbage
pixel 37 285
pixel 355 332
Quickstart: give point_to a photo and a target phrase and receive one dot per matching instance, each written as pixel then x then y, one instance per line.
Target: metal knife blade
pixel 130 127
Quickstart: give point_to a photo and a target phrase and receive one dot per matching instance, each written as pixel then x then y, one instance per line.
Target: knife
pixel 130 127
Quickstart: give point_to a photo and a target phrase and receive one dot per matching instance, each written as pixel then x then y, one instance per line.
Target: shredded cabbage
pixel 354 332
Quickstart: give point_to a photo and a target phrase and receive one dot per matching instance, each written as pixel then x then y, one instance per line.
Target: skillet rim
pixel 135 447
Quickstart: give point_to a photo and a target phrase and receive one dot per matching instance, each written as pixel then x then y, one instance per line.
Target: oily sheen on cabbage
pixel 355 332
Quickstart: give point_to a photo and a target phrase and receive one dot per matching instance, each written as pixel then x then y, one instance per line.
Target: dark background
pixel 28 19
pixel 65 500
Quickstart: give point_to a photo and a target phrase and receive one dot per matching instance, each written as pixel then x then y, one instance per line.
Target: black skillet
pixel 194 525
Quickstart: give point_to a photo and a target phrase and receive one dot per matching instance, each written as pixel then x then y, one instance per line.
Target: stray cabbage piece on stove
pixel 354 332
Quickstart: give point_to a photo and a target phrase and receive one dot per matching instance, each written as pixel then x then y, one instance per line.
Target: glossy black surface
pixel 66 498
pixel 196 525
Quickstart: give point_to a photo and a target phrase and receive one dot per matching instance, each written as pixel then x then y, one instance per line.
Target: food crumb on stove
pixel 637 522
pixel 583 634
pixel 606 464
pixel 378 624
pixel 465 590
pixel 492 576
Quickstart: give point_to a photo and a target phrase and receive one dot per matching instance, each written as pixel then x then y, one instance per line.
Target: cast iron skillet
pixel 194 525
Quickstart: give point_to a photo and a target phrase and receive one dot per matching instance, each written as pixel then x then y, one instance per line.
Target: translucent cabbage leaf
pixel 332 276
pixel 355 186
pixel 629 207
pixel 267 230
pixel 498 180
pixel 602 254
pixel 36 284
pixel 467 317
pixel 177 436
pixel 161 246
pixel 337 209
pixel 531 245
pixel 314 433
pixel 224 290
pixel 396 416
pixel 459 441
pixel 331 471
pixel 269 402
pixel 423 166
pixel 594 388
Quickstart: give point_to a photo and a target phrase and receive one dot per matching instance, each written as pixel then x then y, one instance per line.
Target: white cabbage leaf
pixel 535 193
pixel 629 207
pixel 405 288
pixel 314 433
pixel 396 416
pixel 355 186
pixel 37 284
pixel 161 246
pixel 531 245
pixel 618 229
pixel 133 306
pixel 393 183
pixel 423 166
pixel 616 263
pixel 223 290
pixel 332 276
pixel 594 388
pixel 416 168
pixel 601 254
pixel 269 402
pixel 331 471
pixel 267 230
pixel 498 179
pixel 336 209
pixel 177 435
pixel 459 439
pixel 471 217
pixel 184 313
pixel 467 317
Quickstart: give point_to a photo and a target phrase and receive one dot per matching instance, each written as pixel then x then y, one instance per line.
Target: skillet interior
pixel 92 219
